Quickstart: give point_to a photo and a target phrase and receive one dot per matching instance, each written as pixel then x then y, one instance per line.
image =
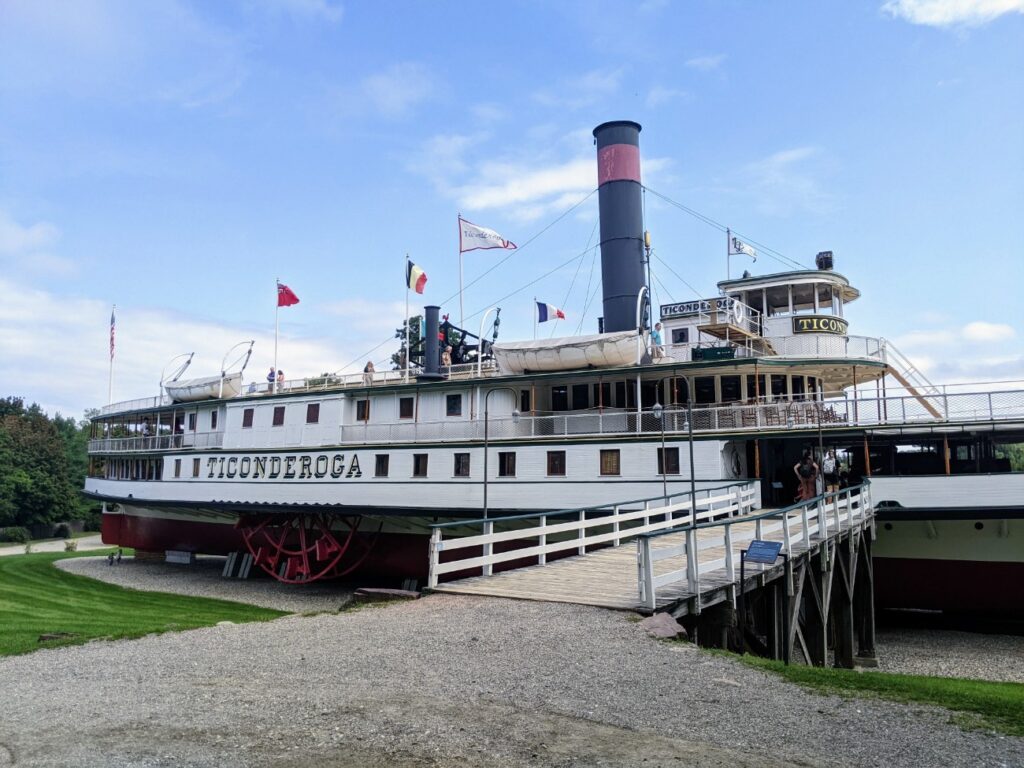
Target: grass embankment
pixel 979 703
pixel 37 598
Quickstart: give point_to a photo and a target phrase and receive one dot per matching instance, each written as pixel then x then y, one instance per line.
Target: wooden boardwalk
pixel 608 577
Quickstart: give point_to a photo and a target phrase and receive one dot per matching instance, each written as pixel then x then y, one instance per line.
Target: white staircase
pixel 910 378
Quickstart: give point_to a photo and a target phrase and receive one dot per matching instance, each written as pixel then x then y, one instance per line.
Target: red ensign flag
pixel 286 296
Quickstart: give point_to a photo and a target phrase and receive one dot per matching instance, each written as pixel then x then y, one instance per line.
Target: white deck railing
pixel 818 518
pixel 540 535
pixel 181 441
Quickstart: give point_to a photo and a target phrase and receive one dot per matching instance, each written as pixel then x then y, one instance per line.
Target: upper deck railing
pixel 740 417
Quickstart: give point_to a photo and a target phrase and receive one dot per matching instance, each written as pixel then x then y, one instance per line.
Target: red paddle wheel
pixel 302 548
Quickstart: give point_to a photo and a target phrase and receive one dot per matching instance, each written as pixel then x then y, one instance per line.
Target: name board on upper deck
pixel 820 324
pixel 690 308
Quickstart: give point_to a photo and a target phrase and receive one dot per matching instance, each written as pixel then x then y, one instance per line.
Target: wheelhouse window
pixel 213 420
pixel 405 407
pixel 313 413
pixel 778 385
pixel 668 461
pixel 453 405
pixel 507 464
pixel 680 335
pixel 461 468
pixel 556 463
pixel 247 418
pixel 278 415
pixel 610 462
pixel 731 389
pixel 525 401
pixel 362 410
pixel 704 389
pixel 381 466
pixel 419 465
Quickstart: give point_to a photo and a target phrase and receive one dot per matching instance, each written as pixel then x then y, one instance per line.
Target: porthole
pixel 888 526
pixel 978 526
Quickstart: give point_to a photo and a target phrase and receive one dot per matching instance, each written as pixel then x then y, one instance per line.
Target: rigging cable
pixel 572 283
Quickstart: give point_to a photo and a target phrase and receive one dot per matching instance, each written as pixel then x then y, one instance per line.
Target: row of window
pixel 610 463
pixel 406 410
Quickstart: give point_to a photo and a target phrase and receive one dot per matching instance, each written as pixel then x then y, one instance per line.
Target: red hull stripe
pixel 618 162
pixel 958 586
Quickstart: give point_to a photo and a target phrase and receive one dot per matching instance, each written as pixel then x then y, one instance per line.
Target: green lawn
pixel 37 598
pixel 980 704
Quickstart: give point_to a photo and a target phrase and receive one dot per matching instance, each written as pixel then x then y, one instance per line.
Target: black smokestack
pixel 622 221
pixel 431 353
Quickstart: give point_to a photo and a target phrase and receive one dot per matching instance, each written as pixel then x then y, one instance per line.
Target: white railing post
pixel 822 520
pixel 738 492
pixel 758 529
pixel 849 509
pixel 435 556
pixel 647 518
pixel 488 549
pixel 582 548
pixel 806 525
pixel 692 562
pixel 542 558
pixel 835 512
pixel 646 566
pixel 787 541
pixel 730 570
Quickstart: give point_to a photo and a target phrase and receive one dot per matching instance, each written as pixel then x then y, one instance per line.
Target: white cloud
pixel 376 318
pixel 706 63
pixel 395 91
pixel 582 91
pixel 659 95
pixel 947 13
pixel 786 182
pixel 987 332
pixel 55 348
pixel 28 248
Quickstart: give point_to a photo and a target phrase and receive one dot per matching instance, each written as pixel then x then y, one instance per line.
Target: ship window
pixel 556 463
pixel 213 419
pixel 247 418
pixel 278 415
pixel 362 410
pixel 313 413
pixel 560 398
pixel 507 464
pixel 461 465
pixel 603 395
pixel 191 422
pixel 453 405
pixel 405 407
pixel 610 462
pixel 620 394
pixel 680 335
pixel 755 387
pixel 381 468
pixel 798 387
pixel 704 389
pixel 525 405
pixel 177 467
pixel 195 467
pixel 825 304
pixel 580 397
pixel 778 385
pixel 419 465
pixel 670 458
pixel 731 389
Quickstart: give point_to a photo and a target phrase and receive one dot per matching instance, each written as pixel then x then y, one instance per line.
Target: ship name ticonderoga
pixel 288 467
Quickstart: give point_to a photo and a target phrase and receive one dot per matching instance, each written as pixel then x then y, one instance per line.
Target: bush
pixel 70 545
pixel 62 531
pixel 17 534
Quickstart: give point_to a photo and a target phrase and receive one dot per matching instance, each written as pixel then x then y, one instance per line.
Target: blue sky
pixel 175 158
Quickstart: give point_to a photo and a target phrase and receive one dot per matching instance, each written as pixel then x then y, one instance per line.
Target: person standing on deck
pixel 271 378
pixel 806 474
pixel 657 350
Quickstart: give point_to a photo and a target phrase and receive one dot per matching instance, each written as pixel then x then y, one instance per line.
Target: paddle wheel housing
pixel 300 548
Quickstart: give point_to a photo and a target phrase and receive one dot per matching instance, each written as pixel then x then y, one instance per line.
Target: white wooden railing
pixel 577 530
pixel 818 518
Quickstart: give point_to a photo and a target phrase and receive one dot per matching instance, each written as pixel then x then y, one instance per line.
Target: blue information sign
pixel 766 552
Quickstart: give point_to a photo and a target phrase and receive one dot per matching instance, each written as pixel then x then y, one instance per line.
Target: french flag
pixel 547 312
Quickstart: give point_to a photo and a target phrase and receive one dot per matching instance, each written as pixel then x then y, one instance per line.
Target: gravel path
pixel 54 545
pixel 203 579
pixel 447 681
pixel 945 653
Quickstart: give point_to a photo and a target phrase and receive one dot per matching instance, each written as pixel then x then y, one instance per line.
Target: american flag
pixel 113 326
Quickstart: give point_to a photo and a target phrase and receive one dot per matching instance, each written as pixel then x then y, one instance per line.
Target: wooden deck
pixel 608 577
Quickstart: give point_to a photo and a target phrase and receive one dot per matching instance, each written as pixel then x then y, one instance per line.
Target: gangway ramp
pixel 643 556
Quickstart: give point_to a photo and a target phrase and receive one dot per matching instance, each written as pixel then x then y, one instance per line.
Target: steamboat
pixel 320 478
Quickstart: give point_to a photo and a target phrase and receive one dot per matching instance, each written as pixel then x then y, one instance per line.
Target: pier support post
pixel 842 608
pixel 864 603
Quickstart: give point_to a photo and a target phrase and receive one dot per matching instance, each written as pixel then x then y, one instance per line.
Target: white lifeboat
pixel 603 350
pixel 206 388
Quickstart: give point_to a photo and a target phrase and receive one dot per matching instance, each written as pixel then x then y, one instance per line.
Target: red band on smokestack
pixel 618 162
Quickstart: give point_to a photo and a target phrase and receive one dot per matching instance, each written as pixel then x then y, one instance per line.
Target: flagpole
pixel 408 352
pixel 462 312
pixel 728 254
pixel 277 312
pixel 110 377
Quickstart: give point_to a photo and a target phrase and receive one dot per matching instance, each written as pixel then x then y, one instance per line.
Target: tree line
pixel 43 463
